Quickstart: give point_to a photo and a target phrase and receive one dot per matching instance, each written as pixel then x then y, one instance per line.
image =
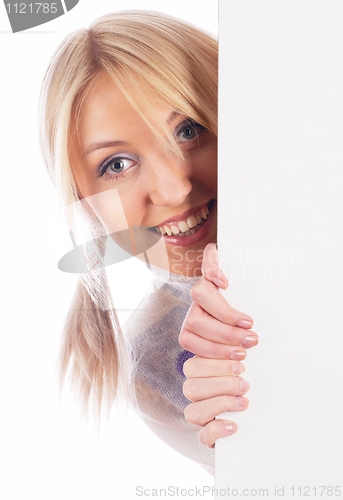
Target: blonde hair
pixel 149 56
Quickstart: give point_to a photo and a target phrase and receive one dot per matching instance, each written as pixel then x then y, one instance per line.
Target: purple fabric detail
pixel 182 358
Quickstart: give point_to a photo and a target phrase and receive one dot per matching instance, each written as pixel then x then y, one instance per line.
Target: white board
pixel 280 226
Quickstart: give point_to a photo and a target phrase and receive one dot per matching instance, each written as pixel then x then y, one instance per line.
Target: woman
pixel 129 120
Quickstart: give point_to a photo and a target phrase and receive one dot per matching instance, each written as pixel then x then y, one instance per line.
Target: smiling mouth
pixel 187 226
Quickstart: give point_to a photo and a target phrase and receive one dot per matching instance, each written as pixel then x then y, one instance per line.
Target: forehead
pixel 106 102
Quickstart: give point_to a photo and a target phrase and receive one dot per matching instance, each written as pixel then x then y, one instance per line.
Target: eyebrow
pixel 172 116
pixel 105 144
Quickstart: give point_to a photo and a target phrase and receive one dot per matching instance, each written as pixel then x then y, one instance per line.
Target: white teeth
pixel 203 214
pixel 183 226
pixel 191 221
pixel 186 228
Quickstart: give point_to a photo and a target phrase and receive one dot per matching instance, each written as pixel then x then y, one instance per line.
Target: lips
pixel 178 231
pixel 186 226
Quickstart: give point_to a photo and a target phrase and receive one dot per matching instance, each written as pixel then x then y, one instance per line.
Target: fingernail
pixel 250 341
pixel 244 385
pixel 244 323
pixel 220 283
pixel 242 402
pixel 238 368
pixel 230 427
pixel 237 355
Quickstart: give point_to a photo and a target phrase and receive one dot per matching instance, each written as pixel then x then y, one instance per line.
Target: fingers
pixel 197 389
pixel 204 291
pixel 214 387
pixel 202 412
pixel 217 334
pixel 216 429
pixel 208 349
pixel 208 297
pixel 201 323
pixel 200 367
pixel 210 268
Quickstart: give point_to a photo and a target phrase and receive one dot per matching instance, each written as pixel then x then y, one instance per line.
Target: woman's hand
pixel 218 335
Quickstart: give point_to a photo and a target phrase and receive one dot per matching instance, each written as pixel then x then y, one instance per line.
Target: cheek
pixel 134 202
pixel 205 168
pixel 108 207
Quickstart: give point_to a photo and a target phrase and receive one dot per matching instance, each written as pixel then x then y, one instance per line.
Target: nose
pixel 169 181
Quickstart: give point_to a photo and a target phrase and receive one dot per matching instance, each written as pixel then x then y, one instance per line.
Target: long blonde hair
pixel 147 54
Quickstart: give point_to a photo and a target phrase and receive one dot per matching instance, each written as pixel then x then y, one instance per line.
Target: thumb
pixel 210 267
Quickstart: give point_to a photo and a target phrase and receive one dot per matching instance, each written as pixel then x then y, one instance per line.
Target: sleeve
pixel 157 359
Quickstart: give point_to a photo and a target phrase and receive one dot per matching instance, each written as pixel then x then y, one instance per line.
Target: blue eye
pixel 116 165
pixel 189 130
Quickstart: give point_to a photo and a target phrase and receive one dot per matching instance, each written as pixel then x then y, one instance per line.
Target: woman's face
pixel 115 148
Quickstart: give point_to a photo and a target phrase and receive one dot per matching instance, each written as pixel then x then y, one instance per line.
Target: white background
pixel 281 218
pixel 47 451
